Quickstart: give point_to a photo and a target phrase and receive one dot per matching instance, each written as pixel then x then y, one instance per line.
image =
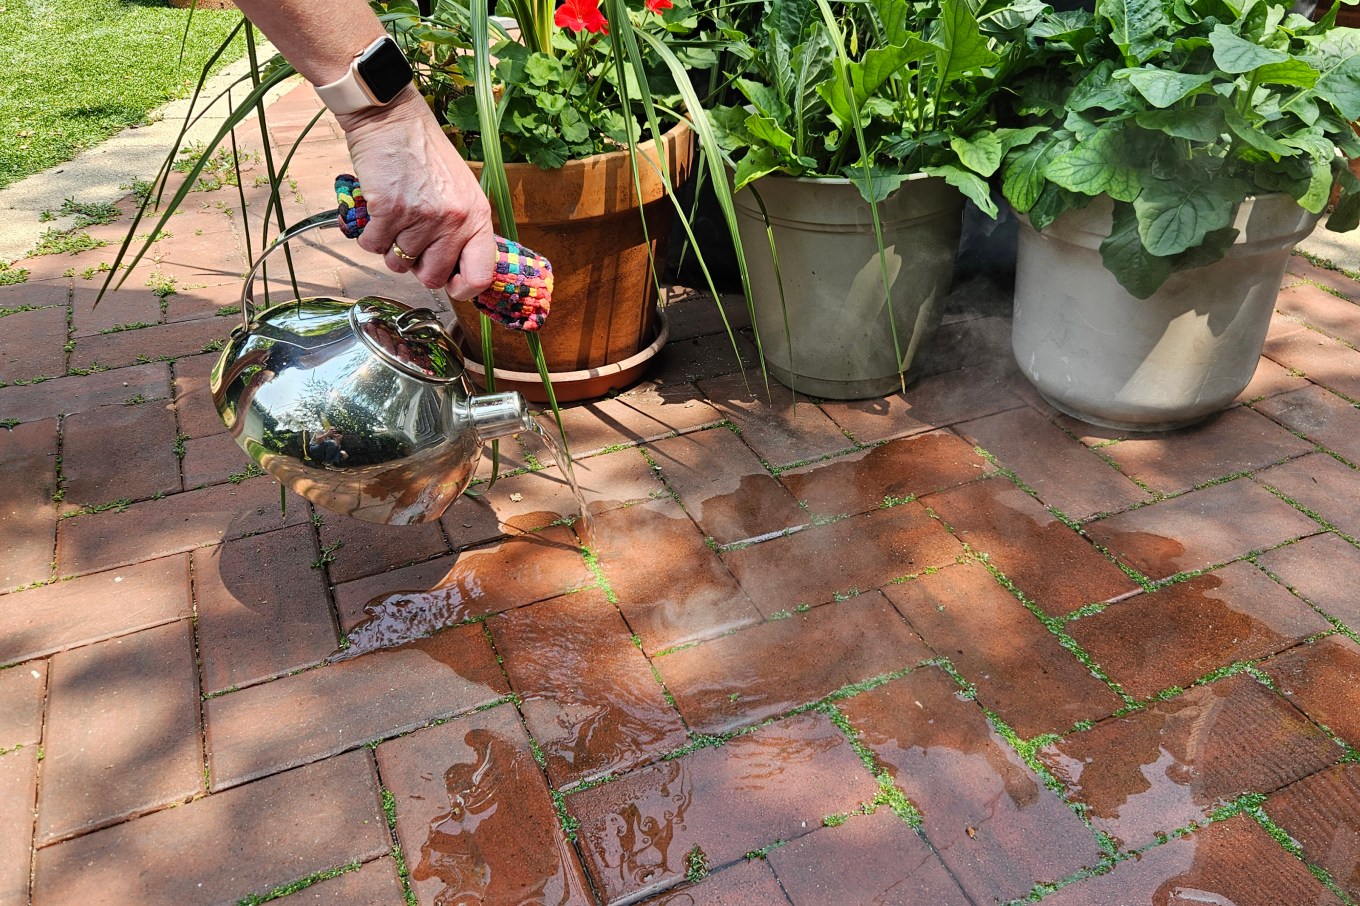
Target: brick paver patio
pixel 947 647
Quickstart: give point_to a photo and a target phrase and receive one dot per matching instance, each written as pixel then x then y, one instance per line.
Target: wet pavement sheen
pixel 947 647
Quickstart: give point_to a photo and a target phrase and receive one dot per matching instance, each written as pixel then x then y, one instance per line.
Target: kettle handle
pixel 316 221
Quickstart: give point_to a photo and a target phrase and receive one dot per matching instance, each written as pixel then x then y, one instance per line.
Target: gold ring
pixel 396 250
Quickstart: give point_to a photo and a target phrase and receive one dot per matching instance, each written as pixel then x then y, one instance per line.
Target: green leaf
pixel 1022 174
pixel 1336 56
pixel 1255 137
pixel 1097 90
pixel 1094 167
pixel 1346 214
pixel 1290 72
pixel 1319 188
pixel 547 154
pixel 982 153
pixel 758 163
pixel 542 70
pixel 1137 270
pixel 762 97
pixel 962 48
pixel 1013 138
pixel 1198 124
pixel 896 17
pixel 877 184
pixel 968 183
pixel 729 127
pixel 1235 54
pixel 1133 25
pixel 1052 203
pixel 1164 87
pixel 763 129
pixel 879 66
pixel 1215 245
pixel 574 129
pixel 1174 215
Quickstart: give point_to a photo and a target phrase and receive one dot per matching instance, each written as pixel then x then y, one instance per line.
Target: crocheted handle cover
pixel 520 295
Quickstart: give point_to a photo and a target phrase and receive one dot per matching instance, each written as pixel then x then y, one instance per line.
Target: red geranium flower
pixel 657 6
pixel 582 15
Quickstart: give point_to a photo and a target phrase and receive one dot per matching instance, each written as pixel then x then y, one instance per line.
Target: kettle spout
pixel 499 414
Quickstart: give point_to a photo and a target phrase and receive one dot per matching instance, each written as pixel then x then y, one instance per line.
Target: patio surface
pixel 946 647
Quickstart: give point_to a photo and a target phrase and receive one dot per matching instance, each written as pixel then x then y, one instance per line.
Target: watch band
pixel 350 92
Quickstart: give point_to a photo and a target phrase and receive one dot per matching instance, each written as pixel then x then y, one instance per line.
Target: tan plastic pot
pixel 838 343
pixel 584 218
pixel 1099 354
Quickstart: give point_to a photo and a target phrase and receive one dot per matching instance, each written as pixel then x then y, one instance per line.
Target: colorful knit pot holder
pixel 520 294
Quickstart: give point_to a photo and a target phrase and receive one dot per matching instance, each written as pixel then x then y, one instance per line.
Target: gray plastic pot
pixel 1099 354
pixel 839 339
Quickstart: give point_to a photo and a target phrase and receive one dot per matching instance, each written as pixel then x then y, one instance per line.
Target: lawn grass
pixel 76 71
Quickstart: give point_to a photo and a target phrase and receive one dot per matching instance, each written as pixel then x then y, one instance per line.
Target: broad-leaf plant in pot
pixel 859 129
pixel 1185 147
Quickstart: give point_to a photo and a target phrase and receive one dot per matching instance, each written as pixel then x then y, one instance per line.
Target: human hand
pixel 421 197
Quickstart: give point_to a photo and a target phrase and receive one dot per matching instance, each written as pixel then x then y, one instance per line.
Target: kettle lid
pixel 411 340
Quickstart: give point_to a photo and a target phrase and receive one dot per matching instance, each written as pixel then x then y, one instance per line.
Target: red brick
pixel 195 302
pixel 130 347
pixel 851 555
pixel 133 304
pixel 1322 485
pixel 874 858
pixel 179 522
pixel 262 608
pixel 896 470
pixel 1020 669
pixel 1322 417
pixel 18 791
pixel 1234 441
pixel 932 402
pixel 366 548
pixel 513 505
pixel 212 460
pixel 1200 529
pixel 990 818
pixel 23 690
pixel 1270 380
pixel 724 487
pixel 636 832
pixel 1177 634
pixel 611 480
pixel 371 884
pixel 1317 357
pixel 28 516
pixel 588 694
pixel 193 397
pixel 1322 310
pixel 92 608
pixel 1325 570
pixel 1062 471
pixel 409 603
pixel 1322 679
pixel 1322 813
pixel 122 732
pixel 1232 861
pixel 340 706
pixel 670 586
pixel 1054 566
pixel 82 393
pixel 119 453
pixel 645 413
pixel 32 293
pixel 1301 267
pixel 1175 762
pixel 966 343
pixel 258 836
pixel 475 818
pixel 780 430
pixel 32 344
pixel 748 883
pixel 774 667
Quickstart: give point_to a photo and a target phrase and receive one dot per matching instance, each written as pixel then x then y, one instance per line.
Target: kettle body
pixel 360 406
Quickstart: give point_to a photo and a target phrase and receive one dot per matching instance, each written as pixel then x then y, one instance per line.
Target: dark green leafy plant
pixel 1178 110
pixel 875 90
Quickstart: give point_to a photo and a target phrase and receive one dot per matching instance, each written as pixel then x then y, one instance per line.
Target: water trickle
pixel 563 459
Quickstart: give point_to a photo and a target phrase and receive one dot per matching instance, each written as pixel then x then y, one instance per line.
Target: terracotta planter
pixel 584 218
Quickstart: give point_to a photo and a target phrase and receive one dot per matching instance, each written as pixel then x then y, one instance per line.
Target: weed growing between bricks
pixel 284 890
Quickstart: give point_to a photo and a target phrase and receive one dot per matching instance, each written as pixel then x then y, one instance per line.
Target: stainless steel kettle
pixel 362 407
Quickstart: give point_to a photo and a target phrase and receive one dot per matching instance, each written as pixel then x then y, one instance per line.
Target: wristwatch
pixel 376 76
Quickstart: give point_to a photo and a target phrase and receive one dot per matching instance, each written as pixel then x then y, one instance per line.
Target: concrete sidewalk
pixel 948 647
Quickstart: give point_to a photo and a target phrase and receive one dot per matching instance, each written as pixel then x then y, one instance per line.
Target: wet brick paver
pixel 948 646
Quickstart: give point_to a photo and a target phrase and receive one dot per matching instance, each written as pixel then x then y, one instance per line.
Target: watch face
pixel 385 70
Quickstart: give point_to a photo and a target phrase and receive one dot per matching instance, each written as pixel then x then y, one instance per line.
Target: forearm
pixel 319 39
